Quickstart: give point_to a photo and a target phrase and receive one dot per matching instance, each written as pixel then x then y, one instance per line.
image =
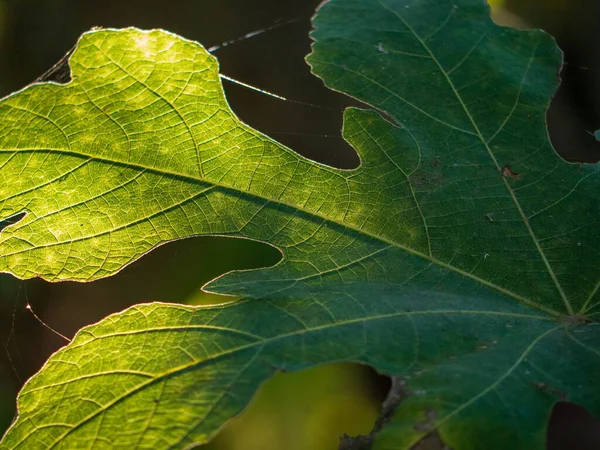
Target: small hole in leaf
pixel 572 427
pixel 11 220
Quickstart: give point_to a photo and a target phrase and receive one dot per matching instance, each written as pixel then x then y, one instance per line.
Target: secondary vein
pixel 541 252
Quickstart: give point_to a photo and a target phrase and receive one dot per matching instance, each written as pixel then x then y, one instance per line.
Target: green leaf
pixel 460 255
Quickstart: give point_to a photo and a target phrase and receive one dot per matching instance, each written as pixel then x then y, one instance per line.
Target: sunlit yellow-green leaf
pixel 462 254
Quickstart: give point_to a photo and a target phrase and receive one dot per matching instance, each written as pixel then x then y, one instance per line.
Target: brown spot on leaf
pixel 576 319
pixel 544 387
pixel 276 368
pixel 422 181
pixel 508 173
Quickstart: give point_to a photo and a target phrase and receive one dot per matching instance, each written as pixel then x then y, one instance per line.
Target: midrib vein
pixel 239 191
pixel 260 343
pixel 201 178
pixel 559 288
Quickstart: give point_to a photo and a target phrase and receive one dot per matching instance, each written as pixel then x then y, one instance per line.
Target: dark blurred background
pixel 311 409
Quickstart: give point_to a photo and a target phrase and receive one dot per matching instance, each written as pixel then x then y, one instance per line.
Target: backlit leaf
pixel 462 253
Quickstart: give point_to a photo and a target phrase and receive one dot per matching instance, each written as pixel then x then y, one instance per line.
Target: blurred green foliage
pixel 308 410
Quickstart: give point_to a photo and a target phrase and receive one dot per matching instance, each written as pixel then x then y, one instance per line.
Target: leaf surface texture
pixel 459 255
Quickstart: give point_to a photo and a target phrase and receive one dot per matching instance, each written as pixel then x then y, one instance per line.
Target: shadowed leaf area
pixel 429 261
